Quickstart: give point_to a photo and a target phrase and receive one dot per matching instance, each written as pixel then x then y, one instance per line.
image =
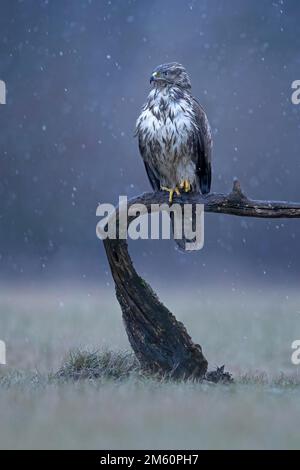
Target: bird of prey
pixel 174 135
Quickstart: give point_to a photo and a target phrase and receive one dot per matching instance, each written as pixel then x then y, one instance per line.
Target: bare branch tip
pixel 237 189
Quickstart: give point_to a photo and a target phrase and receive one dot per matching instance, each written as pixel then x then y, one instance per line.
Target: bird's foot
pixel 171 192
pixel 186 186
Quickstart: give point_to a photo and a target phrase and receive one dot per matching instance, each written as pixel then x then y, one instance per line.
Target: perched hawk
pixel 174 134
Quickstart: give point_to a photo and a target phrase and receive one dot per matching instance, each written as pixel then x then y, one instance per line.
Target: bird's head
pixel 173 74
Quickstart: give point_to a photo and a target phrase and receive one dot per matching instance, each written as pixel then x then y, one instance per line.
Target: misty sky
pixel 77 73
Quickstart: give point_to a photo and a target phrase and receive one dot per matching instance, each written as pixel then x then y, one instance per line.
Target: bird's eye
pixel 166 73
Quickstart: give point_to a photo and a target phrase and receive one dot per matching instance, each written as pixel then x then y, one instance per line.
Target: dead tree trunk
pixel 160 342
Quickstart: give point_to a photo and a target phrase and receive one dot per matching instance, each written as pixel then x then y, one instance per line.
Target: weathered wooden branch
pixel 160 342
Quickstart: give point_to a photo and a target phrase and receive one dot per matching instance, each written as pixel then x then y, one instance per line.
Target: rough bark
pixel 160 342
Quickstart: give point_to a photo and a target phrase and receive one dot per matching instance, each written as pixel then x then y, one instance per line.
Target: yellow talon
pixel 186 186
pixel 171 192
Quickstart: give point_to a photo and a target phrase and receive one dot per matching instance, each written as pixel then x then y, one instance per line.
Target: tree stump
pixel 160 342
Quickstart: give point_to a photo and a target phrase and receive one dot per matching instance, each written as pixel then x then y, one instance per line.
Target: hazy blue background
pixel 77 73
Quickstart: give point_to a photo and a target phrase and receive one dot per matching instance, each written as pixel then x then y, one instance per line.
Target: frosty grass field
pixel 250 332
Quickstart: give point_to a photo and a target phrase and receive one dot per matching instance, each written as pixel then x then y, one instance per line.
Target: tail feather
pixel 184 244
pixel 205 180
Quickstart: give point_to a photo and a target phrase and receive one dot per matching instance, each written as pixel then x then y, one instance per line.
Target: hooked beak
pixel 153 77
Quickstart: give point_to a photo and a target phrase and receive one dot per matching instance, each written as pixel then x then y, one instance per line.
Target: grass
pixel 121 366
pixel 107 365
pixel 98 398
pixel 101 400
